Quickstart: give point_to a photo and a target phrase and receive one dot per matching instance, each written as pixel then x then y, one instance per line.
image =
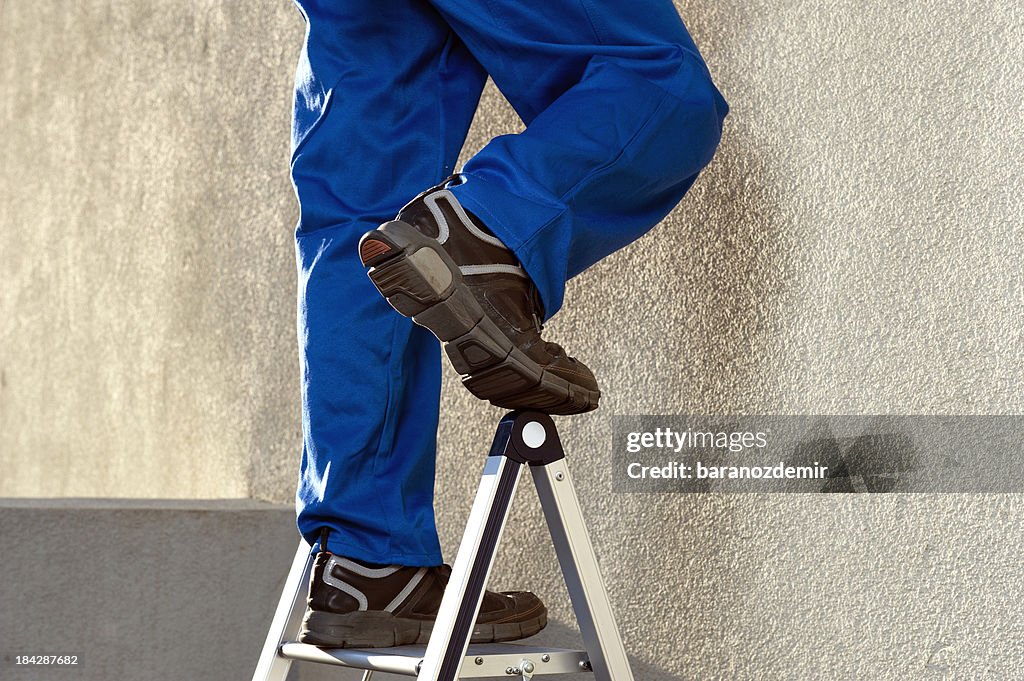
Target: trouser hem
pixel 349 550
pixel 516 221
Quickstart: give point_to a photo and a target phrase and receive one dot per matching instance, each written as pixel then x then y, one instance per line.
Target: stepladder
pixel 523 439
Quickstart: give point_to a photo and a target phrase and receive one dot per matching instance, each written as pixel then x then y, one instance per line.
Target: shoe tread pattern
pixel 492 368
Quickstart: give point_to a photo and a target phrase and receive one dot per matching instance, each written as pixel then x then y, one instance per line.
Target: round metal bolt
pixel 527 667
pixel 545 658
pixel 534 434
pixel 585 665
pixel 479 660
pixel 510 670
pixel 559 476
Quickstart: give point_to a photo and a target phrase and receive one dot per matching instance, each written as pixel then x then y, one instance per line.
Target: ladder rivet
pixel 545 658
pixel 534 435
pixel 559 476
pixel 585 665
pixel 479 660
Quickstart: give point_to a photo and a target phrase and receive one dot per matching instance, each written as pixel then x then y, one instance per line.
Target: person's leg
pixel 384 96
pixel 621 116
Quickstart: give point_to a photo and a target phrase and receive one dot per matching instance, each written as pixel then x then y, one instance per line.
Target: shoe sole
pixel 421 281
pixel 377 629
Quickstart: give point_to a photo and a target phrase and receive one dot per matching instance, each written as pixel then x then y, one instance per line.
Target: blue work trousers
pixel 620 116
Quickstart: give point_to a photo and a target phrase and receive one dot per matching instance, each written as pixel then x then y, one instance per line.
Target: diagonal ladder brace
pixel 523 438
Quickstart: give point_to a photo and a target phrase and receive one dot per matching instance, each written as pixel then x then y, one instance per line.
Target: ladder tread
pixel 482 659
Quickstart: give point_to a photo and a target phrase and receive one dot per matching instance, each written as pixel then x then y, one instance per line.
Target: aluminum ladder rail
pixel 523 438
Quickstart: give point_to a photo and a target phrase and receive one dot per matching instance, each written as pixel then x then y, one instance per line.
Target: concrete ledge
pixel 143 589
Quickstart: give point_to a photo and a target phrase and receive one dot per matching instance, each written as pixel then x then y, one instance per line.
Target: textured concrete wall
pixel 147 341
pixel 855 247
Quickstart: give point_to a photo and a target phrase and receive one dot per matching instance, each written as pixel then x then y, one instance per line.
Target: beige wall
pixel 855 247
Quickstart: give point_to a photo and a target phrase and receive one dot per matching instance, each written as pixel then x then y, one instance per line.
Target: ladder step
pixel 482 660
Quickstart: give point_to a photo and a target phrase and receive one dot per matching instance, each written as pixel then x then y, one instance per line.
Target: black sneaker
pixel 351 605
pixel 441 266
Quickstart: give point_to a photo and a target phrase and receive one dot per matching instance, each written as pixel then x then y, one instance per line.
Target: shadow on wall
pixel 702 296
pixel 740 248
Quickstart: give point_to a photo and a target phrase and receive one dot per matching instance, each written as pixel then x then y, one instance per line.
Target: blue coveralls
pixel 620 115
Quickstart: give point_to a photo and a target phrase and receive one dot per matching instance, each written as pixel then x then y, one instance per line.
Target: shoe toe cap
pixel 574 371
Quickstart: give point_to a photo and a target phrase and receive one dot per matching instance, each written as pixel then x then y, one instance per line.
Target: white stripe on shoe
pixel 364 571
pixel 340 585
pixel 442 222
pixel 497 268
pixel 407 591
